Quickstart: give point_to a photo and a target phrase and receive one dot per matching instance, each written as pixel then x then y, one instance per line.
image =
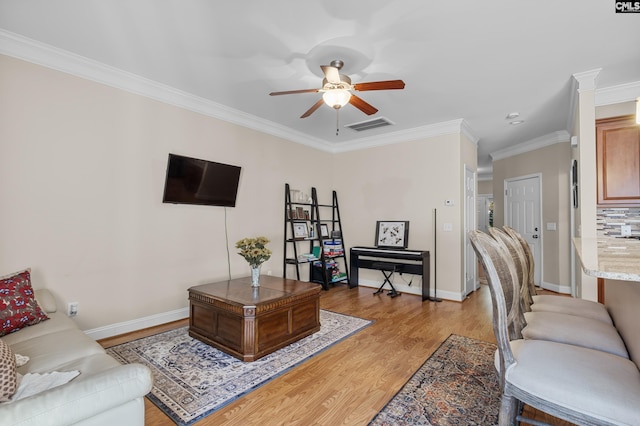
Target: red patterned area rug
pixel 457 385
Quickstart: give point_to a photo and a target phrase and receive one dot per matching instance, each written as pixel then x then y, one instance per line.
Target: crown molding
pixel 444 128
pixel 531 145
pixel 20 47
pixel 573 103
pixel 587 80
pixel 33 51
pixel 627 92
pixel 466 130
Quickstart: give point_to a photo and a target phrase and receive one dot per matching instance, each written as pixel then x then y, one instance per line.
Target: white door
pixel 470 266
pixel 522 207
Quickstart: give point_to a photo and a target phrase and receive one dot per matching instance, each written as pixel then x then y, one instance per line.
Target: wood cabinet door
pixel 618 160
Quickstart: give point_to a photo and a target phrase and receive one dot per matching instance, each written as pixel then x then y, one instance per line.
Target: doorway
pixel 484 208
pixel 522 212
pixel 470 263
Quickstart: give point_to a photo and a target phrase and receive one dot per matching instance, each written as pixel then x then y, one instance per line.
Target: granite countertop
pixel 609 257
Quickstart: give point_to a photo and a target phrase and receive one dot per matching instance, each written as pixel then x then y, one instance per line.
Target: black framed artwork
pixel 392 234
pixel 300 230
pixel 574 183
pixel 324 230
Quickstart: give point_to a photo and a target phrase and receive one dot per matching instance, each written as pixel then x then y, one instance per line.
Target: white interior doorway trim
pixel 470 262
pixel 523 212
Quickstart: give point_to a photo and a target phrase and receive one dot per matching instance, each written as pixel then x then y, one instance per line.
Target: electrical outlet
pixel 72 309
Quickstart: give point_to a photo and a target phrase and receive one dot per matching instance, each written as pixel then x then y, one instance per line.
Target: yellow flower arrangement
pixel 254 250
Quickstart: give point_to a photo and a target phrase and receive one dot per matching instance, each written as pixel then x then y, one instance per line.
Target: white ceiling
pixel 467 60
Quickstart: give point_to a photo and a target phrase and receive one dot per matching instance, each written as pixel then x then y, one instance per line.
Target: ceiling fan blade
pixel 291 92
pixel 313 108
pixel 332 74
pixel 380 85
pixel 362 105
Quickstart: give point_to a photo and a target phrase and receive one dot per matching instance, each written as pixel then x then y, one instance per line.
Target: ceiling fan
pixel 336 89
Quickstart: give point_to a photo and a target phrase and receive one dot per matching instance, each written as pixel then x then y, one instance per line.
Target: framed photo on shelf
pixel 300 230
pixel 324 230
pixel 300 213
pixel 291 214
pixel 392 234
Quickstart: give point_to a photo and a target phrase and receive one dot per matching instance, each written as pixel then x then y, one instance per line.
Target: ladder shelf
pixel 304 228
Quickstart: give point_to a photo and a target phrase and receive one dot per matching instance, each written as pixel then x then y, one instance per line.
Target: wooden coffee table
pixel 250 323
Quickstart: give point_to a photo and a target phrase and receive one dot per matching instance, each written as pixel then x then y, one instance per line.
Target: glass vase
pixel 255 275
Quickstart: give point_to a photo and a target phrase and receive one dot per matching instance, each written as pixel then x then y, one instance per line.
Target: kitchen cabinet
pixel 618 161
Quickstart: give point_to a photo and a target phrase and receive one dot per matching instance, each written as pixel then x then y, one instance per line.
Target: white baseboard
pixel 137 324
pixel 413 289
pixel 178 314
pixel 564 289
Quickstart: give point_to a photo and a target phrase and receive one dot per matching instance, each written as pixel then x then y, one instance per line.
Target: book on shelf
pixel 329 264
pixel 307 257
pixel 338 276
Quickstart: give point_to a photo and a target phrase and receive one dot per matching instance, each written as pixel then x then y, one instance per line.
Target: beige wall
pixel 485 187
pixel 553 163
pixel 371 188
pixel 82 169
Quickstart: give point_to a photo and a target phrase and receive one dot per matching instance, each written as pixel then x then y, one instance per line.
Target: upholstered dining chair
pixel 556 326
pixel 579 385
pixel 551 303
pixel 521 262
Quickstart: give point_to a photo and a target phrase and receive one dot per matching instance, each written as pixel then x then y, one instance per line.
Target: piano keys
pixel 416 262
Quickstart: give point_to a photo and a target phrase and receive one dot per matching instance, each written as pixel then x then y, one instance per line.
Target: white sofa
pixel 104 393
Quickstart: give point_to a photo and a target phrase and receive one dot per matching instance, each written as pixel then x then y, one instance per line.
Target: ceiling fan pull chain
pixel 337 121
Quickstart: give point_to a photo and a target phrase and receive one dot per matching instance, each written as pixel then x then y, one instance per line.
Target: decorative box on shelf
pixel 333 248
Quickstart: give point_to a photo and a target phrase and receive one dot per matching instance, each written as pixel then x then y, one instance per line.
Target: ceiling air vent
pixel 370 124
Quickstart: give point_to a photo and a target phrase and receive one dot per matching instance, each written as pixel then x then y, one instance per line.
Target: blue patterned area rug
pixel 457 385
pixel 193 379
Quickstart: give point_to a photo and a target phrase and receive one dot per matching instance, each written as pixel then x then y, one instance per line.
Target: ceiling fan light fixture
pixel 336 98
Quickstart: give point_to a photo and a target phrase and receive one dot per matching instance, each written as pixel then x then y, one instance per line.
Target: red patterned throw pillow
pixel 18 306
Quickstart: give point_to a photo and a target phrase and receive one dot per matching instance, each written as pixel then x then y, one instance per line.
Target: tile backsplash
pixel 611 220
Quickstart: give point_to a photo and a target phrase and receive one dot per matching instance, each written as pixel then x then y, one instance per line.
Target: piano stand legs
pixel 387 271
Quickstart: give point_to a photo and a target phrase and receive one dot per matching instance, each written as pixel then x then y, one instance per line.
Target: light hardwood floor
pixel 350 382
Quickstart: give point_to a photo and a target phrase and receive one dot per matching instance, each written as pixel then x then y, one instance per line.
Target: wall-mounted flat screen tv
pixel 193 181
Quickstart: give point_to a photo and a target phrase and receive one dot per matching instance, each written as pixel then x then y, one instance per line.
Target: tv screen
pixel 193 181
